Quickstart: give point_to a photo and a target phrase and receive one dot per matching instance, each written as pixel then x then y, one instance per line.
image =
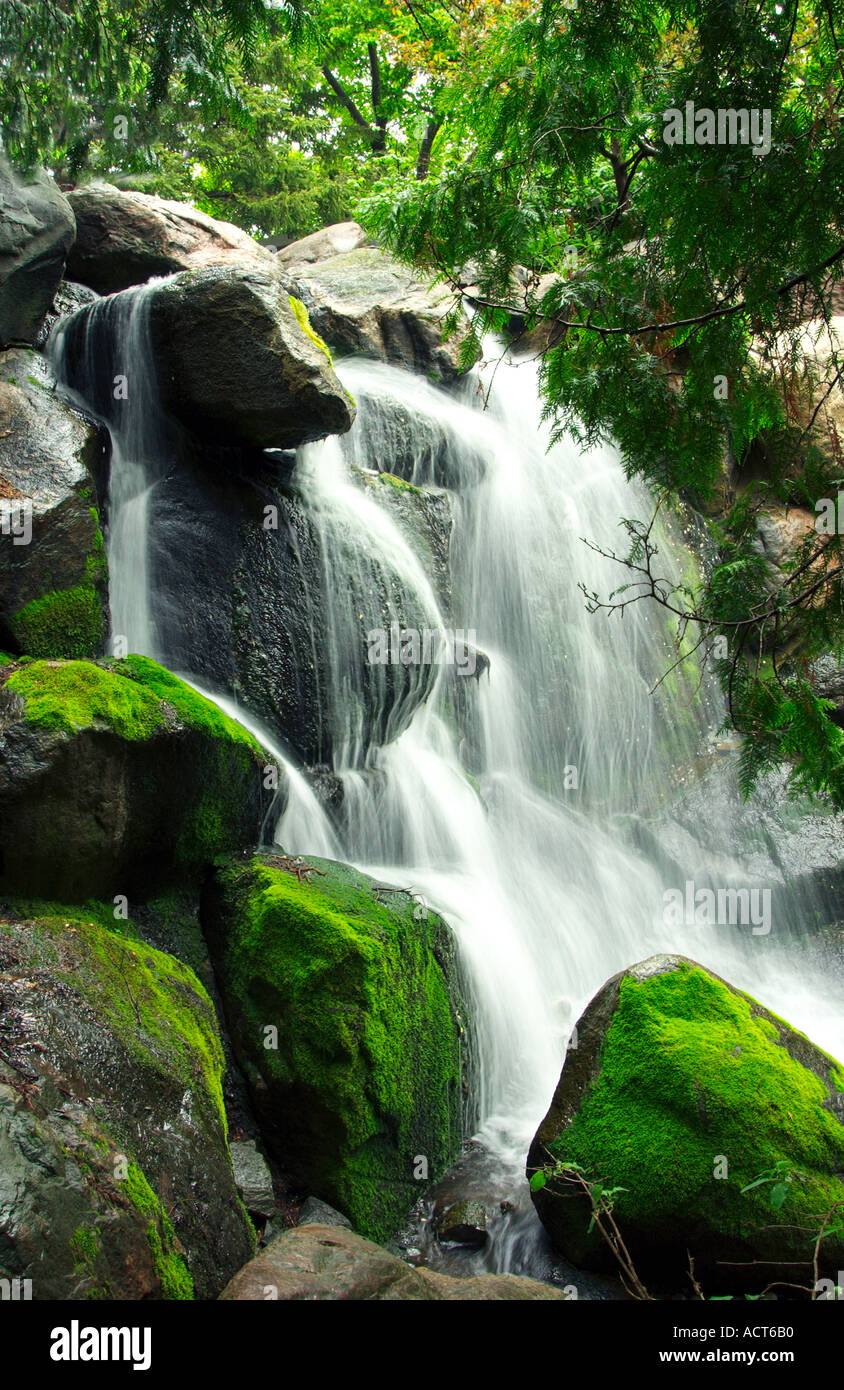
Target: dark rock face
pixel 463 1223
pixel 36 232
pixel 118 779
pixel 235 365
pixel 53 588
pixel 115 1178
pixel 680 1092
pixel 328 1264
pixel 240 601
pixel 68 298
pixel 365 302
pixel 342 1008
pixel 125 237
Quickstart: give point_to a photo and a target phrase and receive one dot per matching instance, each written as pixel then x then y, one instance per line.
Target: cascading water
pixel 128 402
pixel 534 822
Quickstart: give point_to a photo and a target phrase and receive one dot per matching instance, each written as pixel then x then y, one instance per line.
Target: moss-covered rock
pixel 681 1092
pixel 343 1011
pixel 53 585
pixel 117 778
pixel 115 1176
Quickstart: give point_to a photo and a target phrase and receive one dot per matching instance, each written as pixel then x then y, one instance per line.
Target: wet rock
pixel 53 584
pixel 115 1178
pixel 365 302
pixel 425 516
pixel 36 231
pixel 363 1072
pixel 680 1093
pixel 68 298
pixel 218 570
pixel 324 1263
pixel 253 1178
pixel 313 1212
pixel 124 237
pixel 236 361
pixel 464 1223
pixel 118 779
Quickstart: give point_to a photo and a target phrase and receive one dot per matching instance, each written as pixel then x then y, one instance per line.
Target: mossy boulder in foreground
pixel 676 1078
pixel 344 1015
pixel 115 1176
pixel 117 778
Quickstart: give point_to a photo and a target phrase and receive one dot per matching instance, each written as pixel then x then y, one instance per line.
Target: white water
pixel 541 880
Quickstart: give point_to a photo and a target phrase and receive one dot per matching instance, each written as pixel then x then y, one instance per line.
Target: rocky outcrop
pixel 342 1005
pixel 230 537
pixel 117 778
pixel 235 359
pixel 115 1177
pixel 36 232
pixel 680 1093
pixel 335 240
pixel 324 1263
pixel 125 237
pixel 366 302
pixel 68 298
pixel 53 572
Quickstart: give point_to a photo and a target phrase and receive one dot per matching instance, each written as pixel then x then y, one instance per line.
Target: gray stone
pixel 36 232
pixel 327 1263
pixel 48 460
pixel 366 302
pixel 253 1178
pixel 124 237
pixel 313 1212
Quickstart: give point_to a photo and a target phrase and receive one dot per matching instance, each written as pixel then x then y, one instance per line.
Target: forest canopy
pixel 650 194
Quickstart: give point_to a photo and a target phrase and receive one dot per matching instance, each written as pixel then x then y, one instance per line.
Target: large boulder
pixel 680 1092
pixel 343 1010
pixel 115 1177
pixel 229 537
pixel 235 358
pixel 36 232
pixel 53 571
pixel 366 302
pixel 117 778
pixel 124 237
pixel 327 1263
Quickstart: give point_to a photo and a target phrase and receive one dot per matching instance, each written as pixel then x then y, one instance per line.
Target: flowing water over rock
pixel 543 804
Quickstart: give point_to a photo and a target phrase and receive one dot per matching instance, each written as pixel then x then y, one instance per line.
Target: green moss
pixel 155 1004
pixel 367 1071
pixel 176 1282
pixel 399 484
pixel 191 707
pixel 78 695
pixel 304 323
pixel 689 1070
pixel 64 623
pixel 85 1247
pixel 127 696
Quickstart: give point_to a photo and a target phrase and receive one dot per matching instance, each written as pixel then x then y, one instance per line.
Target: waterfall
pixel 547 821
pixel 127 401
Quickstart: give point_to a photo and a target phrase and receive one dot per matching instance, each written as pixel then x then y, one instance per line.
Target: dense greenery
pixel 681 274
